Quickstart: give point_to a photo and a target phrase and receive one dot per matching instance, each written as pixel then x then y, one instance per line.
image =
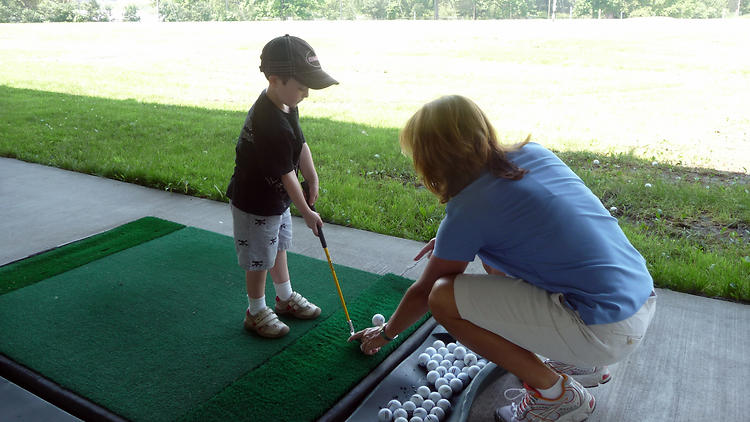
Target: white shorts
pixel 258 238
pixel 540 322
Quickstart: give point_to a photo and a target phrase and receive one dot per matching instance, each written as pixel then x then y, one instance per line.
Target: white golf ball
pixel 438 344
pixel 441 370
pixel 473 371
pixel 417 399
pixel 446 363
pixel 443 350
pixel 421 412
pixel 432 418
pixel 432 376
pixel 596 162
pixel 648 185
pixel 409 406
pixel 393 405
pixel 445 391
pixel 444 404
pixel 416 419
pixel 378 320
pixel 441 382
pixel 459 353
pixel 401 419
pixel 422 359
pixel 439 411
pixel 400 413
pixel 456 385
pixel 434 397
pixel 424 390
pixel 464 377
pixel 437 356
pixel 429 404
pixel 459 363
pixel 432 365
pixel 385 415
pixel 449 357
pixel 612 209
pixel 470 359
pixel 451 347
pixel 481 364
pixel 455 370
pixel 430 351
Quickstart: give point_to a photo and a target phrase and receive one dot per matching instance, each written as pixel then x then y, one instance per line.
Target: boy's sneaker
pixel 297 306
pixel 588 377
pixel 265 323
pixel 574 405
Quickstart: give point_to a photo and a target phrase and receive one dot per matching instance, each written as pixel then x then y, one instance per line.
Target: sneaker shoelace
pixel 521 399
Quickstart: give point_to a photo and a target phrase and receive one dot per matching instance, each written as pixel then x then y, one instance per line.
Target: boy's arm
pixel 307 167
pixel 294 190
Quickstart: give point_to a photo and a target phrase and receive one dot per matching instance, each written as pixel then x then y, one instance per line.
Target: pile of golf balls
pixel 450 369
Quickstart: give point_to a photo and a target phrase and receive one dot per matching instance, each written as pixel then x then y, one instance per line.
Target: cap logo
pixel 312 59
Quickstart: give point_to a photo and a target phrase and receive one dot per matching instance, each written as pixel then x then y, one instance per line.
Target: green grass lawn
pixel 655 101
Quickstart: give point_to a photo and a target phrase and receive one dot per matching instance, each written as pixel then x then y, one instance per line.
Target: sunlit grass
pixel 161 105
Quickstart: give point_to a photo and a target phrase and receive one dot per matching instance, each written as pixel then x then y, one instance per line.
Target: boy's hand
pixel 311 194
pixel 313 221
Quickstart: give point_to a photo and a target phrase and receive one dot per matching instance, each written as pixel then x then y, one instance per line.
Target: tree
pixel 131 14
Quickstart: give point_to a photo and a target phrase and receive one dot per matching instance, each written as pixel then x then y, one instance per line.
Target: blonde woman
pixel 563 281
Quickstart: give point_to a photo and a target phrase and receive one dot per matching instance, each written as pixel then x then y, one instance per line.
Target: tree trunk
pixel 436 10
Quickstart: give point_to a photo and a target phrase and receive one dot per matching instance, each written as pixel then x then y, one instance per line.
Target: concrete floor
pixel 693 365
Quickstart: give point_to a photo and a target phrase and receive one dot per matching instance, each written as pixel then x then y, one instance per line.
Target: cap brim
pixel 316 80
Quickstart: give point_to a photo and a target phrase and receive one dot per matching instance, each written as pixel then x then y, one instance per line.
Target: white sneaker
pixel 575 404
pixel 588 377
pixel 265 323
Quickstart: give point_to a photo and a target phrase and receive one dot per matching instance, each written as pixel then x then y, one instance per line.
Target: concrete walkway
pixel 694 364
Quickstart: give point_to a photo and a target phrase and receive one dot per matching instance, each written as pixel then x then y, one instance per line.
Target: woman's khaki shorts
pixel 257 238
pixel 538 321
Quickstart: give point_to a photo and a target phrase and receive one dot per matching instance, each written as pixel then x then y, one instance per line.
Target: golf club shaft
pixel 338 287
pixel 324 244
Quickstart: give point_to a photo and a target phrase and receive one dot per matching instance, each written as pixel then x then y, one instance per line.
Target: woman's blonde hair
pixel 451 142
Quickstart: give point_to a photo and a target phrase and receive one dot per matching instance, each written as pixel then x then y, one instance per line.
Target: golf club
pixel 305 189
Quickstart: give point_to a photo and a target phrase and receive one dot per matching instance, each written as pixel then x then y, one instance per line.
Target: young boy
pixel 271 149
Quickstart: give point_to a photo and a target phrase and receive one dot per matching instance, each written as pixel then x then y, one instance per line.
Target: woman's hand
pixel 426 250
pixel 371 340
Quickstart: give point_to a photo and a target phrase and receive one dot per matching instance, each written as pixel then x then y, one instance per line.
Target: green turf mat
pixel 311 375
pixel 30 270
pixel 154 330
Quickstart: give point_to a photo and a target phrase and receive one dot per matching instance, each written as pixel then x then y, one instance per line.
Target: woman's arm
pixel 413 304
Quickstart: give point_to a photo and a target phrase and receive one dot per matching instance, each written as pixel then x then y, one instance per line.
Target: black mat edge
pixel 55 394
pixel 347 404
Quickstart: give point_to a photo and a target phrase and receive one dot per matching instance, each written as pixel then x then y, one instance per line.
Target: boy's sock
pixel 553 392
pixel 256 305
pixel 283 290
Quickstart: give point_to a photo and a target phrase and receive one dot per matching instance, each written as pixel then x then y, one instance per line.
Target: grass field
pixel 656 101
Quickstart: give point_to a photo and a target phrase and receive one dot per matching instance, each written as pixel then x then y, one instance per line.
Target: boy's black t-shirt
pixel 268 147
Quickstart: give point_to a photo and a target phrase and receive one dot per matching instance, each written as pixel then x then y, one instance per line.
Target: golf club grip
pixel 321 237
pixel 306 192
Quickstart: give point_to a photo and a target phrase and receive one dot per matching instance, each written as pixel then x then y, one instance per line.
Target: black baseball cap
pixel 292 56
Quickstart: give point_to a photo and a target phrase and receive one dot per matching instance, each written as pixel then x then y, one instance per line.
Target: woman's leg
pixel 517 360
